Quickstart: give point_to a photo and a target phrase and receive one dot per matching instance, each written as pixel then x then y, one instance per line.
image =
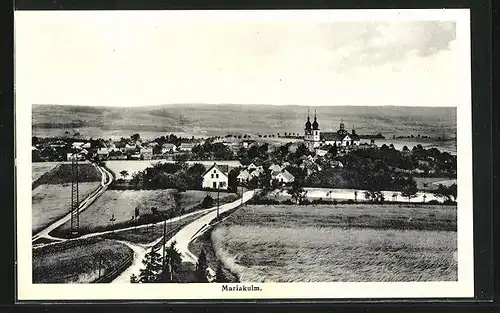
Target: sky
pixel 132 62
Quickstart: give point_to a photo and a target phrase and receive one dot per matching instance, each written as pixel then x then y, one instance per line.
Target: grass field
pixel 51 202
pixel 62 174
pixel 78 261
pixel 147 235
pixel 341 243
pixel 122 203
pixel 403 217
pixel 432 183
pixel 40 168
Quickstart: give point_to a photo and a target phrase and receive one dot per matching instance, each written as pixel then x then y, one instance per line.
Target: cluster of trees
pixel 159 270
pixel 255 153
pixel 212 151
pixel 439 138
pixel 177 175
pixel 449 193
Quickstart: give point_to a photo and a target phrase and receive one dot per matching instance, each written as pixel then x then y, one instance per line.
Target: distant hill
pixel 212 120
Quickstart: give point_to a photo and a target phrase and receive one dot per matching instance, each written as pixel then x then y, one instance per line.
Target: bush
pixel 433 202
pixel 207 202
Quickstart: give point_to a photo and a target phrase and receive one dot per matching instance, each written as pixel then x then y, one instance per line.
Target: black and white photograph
pixel 243 154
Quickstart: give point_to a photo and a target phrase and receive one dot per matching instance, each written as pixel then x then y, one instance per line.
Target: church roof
pixel 308 123
pixel 335 136
pixel 315 123
pixel 331 136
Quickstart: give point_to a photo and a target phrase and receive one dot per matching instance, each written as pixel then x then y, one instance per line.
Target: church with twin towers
pixel 314 138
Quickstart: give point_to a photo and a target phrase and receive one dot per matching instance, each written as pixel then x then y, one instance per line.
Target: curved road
pixel 183 237
pixel 106 180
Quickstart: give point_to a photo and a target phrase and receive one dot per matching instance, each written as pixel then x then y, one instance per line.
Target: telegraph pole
pixel 164 240
pixel 75 219
pixel 242 195
pixel 218 202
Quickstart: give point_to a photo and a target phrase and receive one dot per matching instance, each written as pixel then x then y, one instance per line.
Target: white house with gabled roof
pixel 216 177
pixel 243 176
pixel 283 177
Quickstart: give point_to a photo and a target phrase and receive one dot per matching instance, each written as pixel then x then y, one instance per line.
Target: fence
pixel 107 278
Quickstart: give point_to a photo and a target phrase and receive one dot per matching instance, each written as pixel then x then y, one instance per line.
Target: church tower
pixel 312 132
pixel 315 130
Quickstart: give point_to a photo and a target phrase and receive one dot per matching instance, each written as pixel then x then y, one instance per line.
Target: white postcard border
pixel 26 290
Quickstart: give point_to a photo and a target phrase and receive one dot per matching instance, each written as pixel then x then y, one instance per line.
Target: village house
pixel 216 177
pixel 186 147
pixel 321 153
pixel 168 148
pixel 275 168
pixel 129 148
pixel 257 171
pixel 284 177
pixel 337 164
pixel 146 153
pixel 243 176
pixel 77 145
pixel 247 143
pixel 102 153
pixel 75 156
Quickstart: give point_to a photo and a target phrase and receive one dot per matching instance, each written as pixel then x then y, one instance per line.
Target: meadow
pixel 323 243
pixel 146 235
pixel 61 173
pixel 40 168
pixel 51 202
pixel 122 204
pixel 78 261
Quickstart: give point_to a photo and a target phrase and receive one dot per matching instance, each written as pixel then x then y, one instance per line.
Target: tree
pixel 201 267
pixel 220 277
pixel 374 195
pixel 297 192
pixel 207 202
pixel 446 192
pixel 134 279
pixel 172 262
pixel 264 181
pixel 124 174
pixel 356 195
pixel 333 150
pixel 409 191
pixel 394 196
pixel 135 137
pixel 153 266
pixel 136 212
pixel 232 181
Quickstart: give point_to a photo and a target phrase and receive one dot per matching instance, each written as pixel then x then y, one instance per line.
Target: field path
pixel 183 237
pixel 139 253
pixel 106 180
